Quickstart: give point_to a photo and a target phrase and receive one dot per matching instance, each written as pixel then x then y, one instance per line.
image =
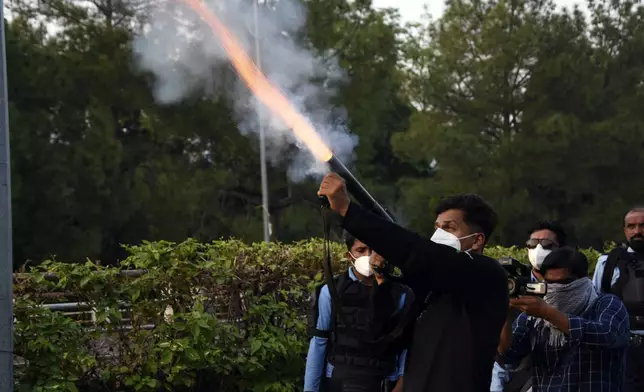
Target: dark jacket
pixel 454 340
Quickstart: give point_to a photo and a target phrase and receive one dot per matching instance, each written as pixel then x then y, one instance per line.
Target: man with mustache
pixel 461 295
pixel 621 272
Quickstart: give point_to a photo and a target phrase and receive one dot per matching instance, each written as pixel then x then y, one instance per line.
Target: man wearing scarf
pixel 544 237
pixel 576 337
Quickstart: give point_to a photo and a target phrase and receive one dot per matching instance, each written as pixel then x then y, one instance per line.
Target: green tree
pixel 98 163
pixel 367 43
pixel 512 105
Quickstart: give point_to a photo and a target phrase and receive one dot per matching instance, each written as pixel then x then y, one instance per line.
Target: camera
pixel 519 279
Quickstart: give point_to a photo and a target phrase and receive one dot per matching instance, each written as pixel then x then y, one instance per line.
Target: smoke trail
pixel 184 55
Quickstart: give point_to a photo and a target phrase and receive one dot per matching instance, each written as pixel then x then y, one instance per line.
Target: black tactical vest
pixel 630 283
pixel 364 317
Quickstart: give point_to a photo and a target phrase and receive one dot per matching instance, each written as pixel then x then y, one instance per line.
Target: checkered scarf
pixel 573 298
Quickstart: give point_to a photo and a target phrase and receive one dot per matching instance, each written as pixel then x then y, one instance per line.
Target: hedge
pixel 237 323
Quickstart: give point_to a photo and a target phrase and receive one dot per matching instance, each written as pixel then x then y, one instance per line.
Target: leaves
pixel 98 163
pixel 242 323
pixel 515 102
pixel 228 319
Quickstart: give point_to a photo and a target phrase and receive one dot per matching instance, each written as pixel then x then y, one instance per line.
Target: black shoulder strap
pixel 314 314
pixel 341 282
pixel 612 262
pixel 328 268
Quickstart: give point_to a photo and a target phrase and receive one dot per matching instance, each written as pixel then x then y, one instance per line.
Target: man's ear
pixel 479 242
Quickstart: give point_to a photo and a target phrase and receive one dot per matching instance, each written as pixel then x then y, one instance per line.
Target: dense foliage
pixel 535 108
pixel 237 322
pixel 532 107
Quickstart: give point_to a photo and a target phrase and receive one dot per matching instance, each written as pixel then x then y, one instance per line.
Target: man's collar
pixel 352 276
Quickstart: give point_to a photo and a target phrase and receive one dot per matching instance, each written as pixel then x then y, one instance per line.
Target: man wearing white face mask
pixel 544 237
pixel 461 295
pixel 347 351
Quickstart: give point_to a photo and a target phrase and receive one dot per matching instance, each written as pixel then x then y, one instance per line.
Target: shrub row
pixel 237 321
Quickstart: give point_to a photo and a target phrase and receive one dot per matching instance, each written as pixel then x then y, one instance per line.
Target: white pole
pixel 262 136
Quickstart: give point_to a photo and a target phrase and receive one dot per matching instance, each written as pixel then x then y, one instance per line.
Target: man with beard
pixel 621 272
pixel 577 339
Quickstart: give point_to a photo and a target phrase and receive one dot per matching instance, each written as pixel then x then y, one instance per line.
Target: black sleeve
pixel 427 266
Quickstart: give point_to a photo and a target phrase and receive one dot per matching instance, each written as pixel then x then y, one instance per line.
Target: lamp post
pixel 6 248
pixel 262 136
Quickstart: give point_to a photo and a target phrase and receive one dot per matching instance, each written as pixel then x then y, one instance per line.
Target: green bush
pixel 237 323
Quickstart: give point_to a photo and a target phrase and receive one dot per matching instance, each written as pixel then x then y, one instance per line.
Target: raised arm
pixel 424 263
pixel 608 330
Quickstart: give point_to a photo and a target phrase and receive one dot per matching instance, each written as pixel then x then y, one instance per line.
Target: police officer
pixel 621 272
pixel 353 345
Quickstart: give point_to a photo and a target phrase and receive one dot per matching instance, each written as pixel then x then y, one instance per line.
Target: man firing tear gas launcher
pixel 461 294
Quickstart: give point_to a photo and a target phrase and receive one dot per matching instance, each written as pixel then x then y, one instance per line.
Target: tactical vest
pixel 360 341
pixel 630 283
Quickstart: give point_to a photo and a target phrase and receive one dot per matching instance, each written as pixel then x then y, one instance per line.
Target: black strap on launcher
pixel 326 262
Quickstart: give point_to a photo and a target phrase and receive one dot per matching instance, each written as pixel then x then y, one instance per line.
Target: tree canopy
pixel 535 108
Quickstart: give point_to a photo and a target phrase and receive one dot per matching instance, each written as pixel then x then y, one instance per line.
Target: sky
pixel 412 10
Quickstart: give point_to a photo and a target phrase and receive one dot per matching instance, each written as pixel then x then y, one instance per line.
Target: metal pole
pixel 6 248
pixel 262 136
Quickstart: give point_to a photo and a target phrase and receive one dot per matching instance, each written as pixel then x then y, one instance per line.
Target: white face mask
pixel 363 266
pixel 537 256
pixel 446 238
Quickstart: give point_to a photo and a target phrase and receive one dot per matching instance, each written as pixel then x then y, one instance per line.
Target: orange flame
pixel 267 93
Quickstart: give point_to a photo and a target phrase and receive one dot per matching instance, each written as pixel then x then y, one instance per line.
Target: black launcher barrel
pixel 356 189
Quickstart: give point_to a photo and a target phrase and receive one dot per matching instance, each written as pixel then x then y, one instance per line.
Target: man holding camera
pixel 462 295
pixel 544 237
pixel 621 272
pixel 576 337
pixel 349 349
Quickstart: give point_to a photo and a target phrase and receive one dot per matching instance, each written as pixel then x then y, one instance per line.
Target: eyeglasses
pixel 545 243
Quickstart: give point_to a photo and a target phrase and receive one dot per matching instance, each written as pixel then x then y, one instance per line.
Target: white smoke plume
pixel 183 53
